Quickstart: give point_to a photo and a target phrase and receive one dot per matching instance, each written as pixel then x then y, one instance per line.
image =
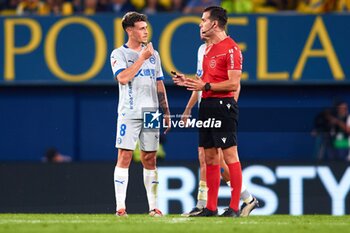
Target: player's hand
pixel 185 115
pixel 167 123
pixel 179 79
pixel 195 84
pixel 147 52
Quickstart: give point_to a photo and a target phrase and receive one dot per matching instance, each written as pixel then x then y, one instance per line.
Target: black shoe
pixel 230 213
pixel 206 213
pixel 193 212
pixel 246 209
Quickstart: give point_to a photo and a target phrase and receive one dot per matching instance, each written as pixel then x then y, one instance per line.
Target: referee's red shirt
pixel 218 59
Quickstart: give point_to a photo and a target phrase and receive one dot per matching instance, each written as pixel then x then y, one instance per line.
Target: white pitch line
pixel 179 220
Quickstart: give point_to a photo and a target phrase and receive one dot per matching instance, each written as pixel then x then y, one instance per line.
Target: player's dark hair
pixel 131 18
pixel 219 14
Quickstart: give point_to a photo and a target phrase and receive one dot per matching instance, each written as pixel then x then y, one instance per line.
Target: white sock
pixel 246 197
pixel 243 188
pixel 121 178
pixel 150 179
pixel 202 195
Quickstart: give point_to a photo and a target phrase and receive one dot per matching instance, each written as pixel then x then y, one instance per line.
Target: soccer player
pixel 249 202
pixel 222 69
pixel 137 69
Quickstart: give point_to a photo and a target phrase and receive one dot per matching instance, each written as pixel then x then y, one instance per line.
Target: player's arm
pixel 162 97
pixel 161 92
pixel 191 102
pixel 129 73
pixel 163 103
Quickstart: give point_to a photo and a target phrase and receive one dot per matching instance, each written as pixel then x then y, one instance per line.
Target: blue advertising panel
pixel 276 48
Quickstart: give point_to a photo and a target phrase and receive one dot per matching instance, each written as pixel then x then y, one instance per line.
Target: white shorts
pixel 131 130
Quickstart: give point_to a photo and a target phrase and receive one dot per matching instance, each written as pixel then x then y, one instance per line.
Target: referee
pixel 220 83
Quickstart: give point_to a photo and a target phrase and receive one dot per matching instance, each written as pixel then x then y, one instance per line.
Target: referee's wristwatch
pixel 207 87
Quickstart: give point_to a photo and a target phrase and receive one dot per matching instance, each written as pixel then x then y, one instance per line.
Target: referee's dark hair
pixel 219 14
pixel 130 18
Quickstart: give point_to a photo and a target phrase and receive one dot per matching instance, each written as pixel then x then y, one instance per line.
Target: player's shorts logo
pixel 151 119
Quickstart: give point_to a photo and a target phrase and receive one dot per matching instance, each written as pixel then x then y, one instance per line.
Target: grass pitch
pixel 83 223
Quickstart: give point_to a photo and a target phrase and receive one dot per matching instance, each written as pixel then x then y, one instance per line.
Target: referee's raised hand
pixel 179 79
pixel 147 52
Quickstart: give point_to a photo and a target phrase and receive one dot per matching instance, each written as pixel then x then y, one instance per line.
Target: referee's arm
pixel 232 84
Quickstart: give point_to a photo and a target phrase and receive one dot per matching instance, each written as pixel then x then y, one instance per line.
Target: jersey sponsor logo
pixel 152 60
pixel 232 61
pixel 131 61
pixel 146 72
pixel 212 63
pixel 130 94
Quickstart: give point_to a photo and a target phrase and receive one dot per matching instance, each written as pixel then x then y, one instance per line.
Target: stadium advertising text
pixel 286 188
pixel 76 49
pixel 294 190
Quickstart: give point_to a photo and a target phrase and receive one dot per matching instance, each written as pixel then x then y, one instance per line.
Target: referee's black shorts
pixel 220 109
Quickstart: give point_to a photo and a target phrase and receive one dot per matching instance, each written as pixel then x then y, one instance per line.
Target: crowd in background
pixel 149 7
pixel 332 133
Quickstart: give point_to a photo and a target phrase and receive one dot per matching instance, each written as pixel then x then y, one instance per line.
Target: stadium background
pixel 57 89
